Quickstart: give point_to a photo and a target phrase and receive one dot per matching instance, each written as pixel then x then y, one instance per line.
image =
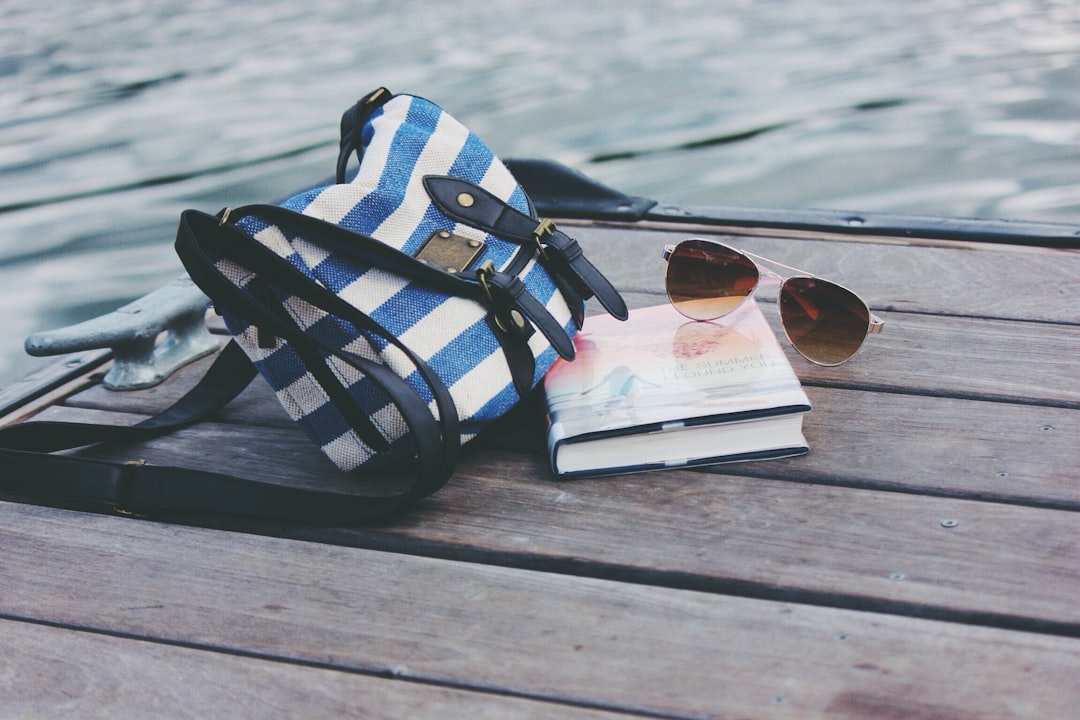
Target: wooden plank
pixel 56 672
pixel 255 406
pixel 934 557
pixel 783 533
pixel 47 383
pixel 582 641
pixel 973 449
pixel 981 450
pixel 961 357
pixel 893 276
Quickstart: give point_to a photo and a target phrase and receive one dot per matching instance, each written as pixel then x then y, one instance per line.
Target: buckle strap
pixel 515 311
pixel 560 253
pixel 583 274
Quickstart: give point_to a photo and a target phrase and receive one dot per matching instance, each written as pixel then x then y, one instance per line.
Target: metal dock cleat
pixel 150 337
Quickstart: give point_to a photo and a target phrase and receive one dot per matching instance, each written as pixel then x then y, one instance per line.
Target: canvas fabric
pixel 404 140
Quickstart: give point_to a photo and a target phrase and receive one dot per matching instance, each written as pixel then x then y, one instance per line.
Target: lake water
pixel 115 116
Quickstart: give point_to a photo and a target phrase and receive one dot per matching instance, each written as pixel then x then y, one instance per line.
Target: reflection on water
pixel 115 116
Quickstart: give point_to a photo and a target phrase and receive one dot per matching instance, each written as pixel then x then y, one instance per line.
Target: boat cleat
pixel 150 338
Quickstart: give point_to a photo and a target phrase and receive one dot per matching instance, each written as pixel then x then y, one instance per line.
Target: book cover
pixel 660 390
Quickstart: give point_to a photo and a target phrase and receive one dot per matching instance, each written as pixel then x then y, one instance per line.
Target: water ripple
pixel 115 116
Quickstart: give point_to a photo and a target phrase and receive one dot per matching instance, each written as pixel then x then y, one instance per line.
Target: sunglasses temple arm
pixel 876 324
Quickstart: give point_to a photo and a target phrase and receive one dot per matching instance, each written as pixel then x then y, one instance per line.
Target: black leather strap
pixel 509 292
pixel 201 237
pixel 29 470
pixel 134 488
pixel 352 127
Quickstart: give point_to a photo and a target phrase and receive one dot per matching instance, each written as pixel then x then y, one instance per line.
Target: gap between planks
pixel 53 671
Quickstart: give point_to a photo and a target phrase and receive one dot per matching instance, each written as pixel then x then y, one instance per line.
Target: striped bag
pixel 398 311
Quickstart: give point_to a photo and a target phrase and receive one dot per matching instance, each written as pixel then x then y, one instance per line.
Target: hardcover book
pixel 660 390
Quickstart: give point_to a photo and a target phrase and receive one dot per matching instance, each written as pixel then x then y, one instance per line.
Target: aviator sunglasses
pixel 825 322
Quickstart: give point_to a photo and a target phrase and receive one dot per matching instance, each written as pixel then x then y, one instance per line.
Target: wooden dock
pixel 923 561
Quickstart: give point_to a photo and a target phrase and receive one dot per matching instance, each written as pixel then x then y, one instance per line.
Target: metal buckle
pixel 544 230
pixel 515 316
pixel 376 97
pixel 486 269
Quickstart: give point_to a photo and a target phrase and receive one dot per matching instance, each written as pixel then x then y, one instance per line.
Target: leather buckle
pixel 516 319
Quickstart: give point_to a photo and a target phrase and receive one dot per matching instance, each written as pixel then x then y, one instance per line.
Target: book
pixel 660 390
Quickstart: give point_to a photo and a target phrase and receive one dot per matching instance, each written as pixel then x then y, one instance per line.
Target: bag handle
pixel 352 127
pixel 437 441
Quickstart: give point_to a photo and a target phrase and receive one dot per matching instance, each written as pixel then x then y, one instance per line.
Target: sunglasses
pixel 825 322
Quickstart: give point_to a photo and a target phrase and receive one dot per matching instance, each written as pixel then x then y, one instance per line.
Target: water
pixel 116 116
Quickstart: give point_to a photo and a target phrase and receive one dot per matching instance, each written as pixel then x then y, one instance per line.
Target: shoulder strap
pixel 30 470
pixel 134 488
pixel 436 439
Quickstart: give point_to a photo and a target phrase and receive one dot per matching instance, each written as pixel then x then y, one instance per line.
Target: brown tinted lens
pixel 826 323
pixel 706 280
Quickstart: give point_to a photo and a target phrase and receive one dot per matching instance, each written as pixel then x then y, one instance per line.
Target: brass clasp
pixel 543 231
pixel 486 270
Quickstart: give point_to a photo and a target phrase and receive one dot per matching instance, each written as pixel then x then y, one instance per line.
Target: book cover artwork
pixel 661 367
pixel 659 372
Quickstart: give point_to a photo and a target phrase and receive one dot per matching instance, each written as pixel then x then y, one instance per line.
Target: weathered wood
pixel 909 554
pixel 584 641
pixel 1002 360
pixel 892 276
pixel 919 562
pixel 49 383
pixel 706 530
pixel 50 672
pixel 981 450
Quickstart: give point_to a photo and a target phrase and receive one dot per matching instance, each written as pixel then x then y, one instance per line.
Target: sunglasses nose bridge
pixel 767 276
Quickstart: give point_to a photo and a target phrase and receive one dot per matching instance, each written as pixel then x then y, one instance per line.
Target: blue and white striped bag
pixel 398 312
